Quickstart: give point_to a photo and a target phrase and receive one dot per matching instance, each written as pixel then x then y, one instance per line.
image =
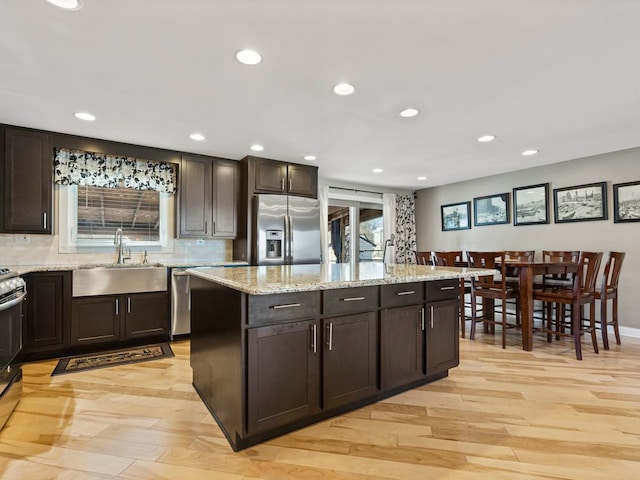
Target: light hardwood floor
pixel 503 414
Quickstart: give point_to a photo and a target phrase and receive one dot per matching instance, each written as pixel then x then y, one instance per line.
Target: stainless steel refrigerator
pixel 287 230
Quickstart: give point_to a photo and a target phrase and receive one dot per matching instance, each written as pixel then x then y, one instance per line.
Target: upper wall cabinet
pixel 27 169
pixel 208 196
pixel 273 176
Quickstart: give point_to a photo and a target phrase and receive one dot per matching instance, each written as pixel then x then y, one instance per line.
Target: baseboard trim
pixel 629 332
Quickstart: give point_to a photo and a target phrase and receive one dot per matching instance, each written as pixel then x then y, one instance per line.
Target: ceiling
pixel 562 77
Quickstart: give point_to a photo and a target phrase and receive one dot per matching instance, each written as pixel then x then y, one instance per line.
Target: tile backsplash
pixel 43 250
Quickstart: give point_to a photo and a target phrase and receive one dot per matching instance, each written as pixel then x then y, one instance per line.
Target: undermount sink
pixel 118 265
pixel 115 279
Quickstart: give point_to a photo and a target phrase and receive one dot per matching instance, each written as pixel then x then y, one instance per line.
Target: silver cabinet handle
pixel 117 307
pixel 44 220
pixel 289 183
pixel 128 304
pixel 314 338
pixel 408 292
pixel 431 314
pixel 214 228
pixel 446 288
pixel 422 318
pixel 282 183
pixel 352 299
pixel 330 339
pixel 205 228
pixel 286 305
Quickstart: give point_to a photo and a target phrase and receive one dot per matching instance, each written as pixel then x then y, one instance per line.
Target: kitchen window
pixel 100 193
pixel 89 217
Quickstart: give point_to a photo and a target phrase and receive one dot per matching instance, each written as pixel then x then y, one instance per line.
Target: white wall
pixel 603 235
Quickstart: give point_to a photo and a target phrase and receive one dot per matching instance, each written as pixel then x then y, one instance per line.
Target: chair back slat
pixel 447 259
pixel 585 280
pixel 611 273
pixel 560 256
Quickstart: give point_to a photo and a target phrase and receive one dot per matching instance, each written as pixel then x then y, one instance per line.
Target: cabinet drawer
pixel 401 294
pixel 443 289
pixel 284 306
pixel 347 300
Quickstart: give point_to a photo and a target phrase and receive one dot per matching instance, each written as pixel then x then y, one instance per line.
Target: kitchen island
pixel 276 348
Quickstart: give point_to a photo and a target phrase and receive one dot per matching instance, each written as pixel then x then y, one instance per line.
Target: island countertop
pixel 265 280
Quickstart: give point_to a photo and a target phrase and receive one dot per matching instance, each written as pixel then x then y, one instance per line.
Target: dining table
pixel 526 271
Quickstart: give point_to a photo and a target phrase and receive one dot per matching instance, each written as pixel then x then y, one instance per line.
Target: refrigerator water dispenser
pixel 274 243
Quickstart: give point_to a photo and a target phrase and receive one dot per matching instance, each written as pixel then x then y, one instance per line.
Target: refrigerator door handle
pixel 290 239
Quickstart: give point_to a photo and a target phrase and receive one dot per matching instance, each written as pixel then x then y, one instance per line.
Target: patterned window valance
pixel 73 167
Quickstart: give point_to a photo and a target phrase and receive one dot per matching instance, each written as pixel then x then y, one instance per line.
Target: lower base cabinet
pixel 283 374
pixel 443 328
pixel 46 313
pixel 402 345
pixel 349 367
pixel 105 319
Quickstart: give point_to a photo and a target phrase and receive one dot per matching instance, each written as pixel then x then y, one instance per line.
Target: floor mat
pixel 81 363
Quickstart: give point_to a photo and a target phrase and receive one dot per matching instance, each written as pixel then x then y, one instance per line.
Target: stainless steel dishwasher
pixel 180 302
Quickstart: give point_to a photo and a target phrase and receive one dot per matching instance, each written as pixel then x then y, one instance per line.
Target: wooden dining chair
pixel 423 257
pixel 491 288
pixel 582 292
pixel 453 258
pixel 609 291
pixel 562 280
pixel 513 273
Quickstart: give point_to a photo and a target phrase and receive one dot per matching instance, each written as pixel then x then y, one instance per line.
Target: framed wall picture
pixel 456 216
pixel 626 202
pixel 491 210
pixel 580 203
pixel 530 205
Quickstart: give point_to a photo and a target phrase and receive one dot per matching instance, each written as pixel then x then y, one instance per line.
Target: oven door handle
pixel 11 303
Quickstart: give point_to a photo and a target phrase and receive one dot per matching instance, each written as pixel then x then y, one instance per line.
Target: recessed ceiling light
pixel 196 136
pixel 344 89
pixel 248 57
pixel 377 170
pixel 409 112
pixel 422 178
pixel 311 158
pixel 85 116
pixel 487 138
pixel 527 153
pixel 257 148
pixel 66 4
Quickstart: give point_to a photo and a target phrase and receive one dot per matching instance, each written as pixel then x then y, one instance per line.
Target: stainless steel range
pixel 13 291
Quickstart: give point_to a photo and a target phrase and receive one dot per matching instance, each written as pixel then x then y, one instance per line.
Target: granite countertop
pixel 299 278
pixel 23 269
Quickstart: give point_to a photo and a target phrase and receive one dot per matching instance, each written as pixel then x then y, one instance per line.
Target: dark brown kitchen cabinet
pixel 273 176
pixel 401 345
pixel 208 197
pixel 46 313
pixel 95 320
pixel 146 314
pixel 442 328
pixel 349 369
pixel 27 170
pixel 283 374
pixel 114 318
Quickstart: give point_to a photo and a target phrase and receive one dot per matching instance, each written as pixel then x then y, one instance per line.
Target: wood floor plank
pixel 503 414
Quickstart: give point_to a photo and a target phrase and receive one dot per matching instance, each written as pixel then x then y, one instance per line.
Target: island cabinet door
pixel 442 343
pixel 401 345
pixel 283 365
pixel 350 358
